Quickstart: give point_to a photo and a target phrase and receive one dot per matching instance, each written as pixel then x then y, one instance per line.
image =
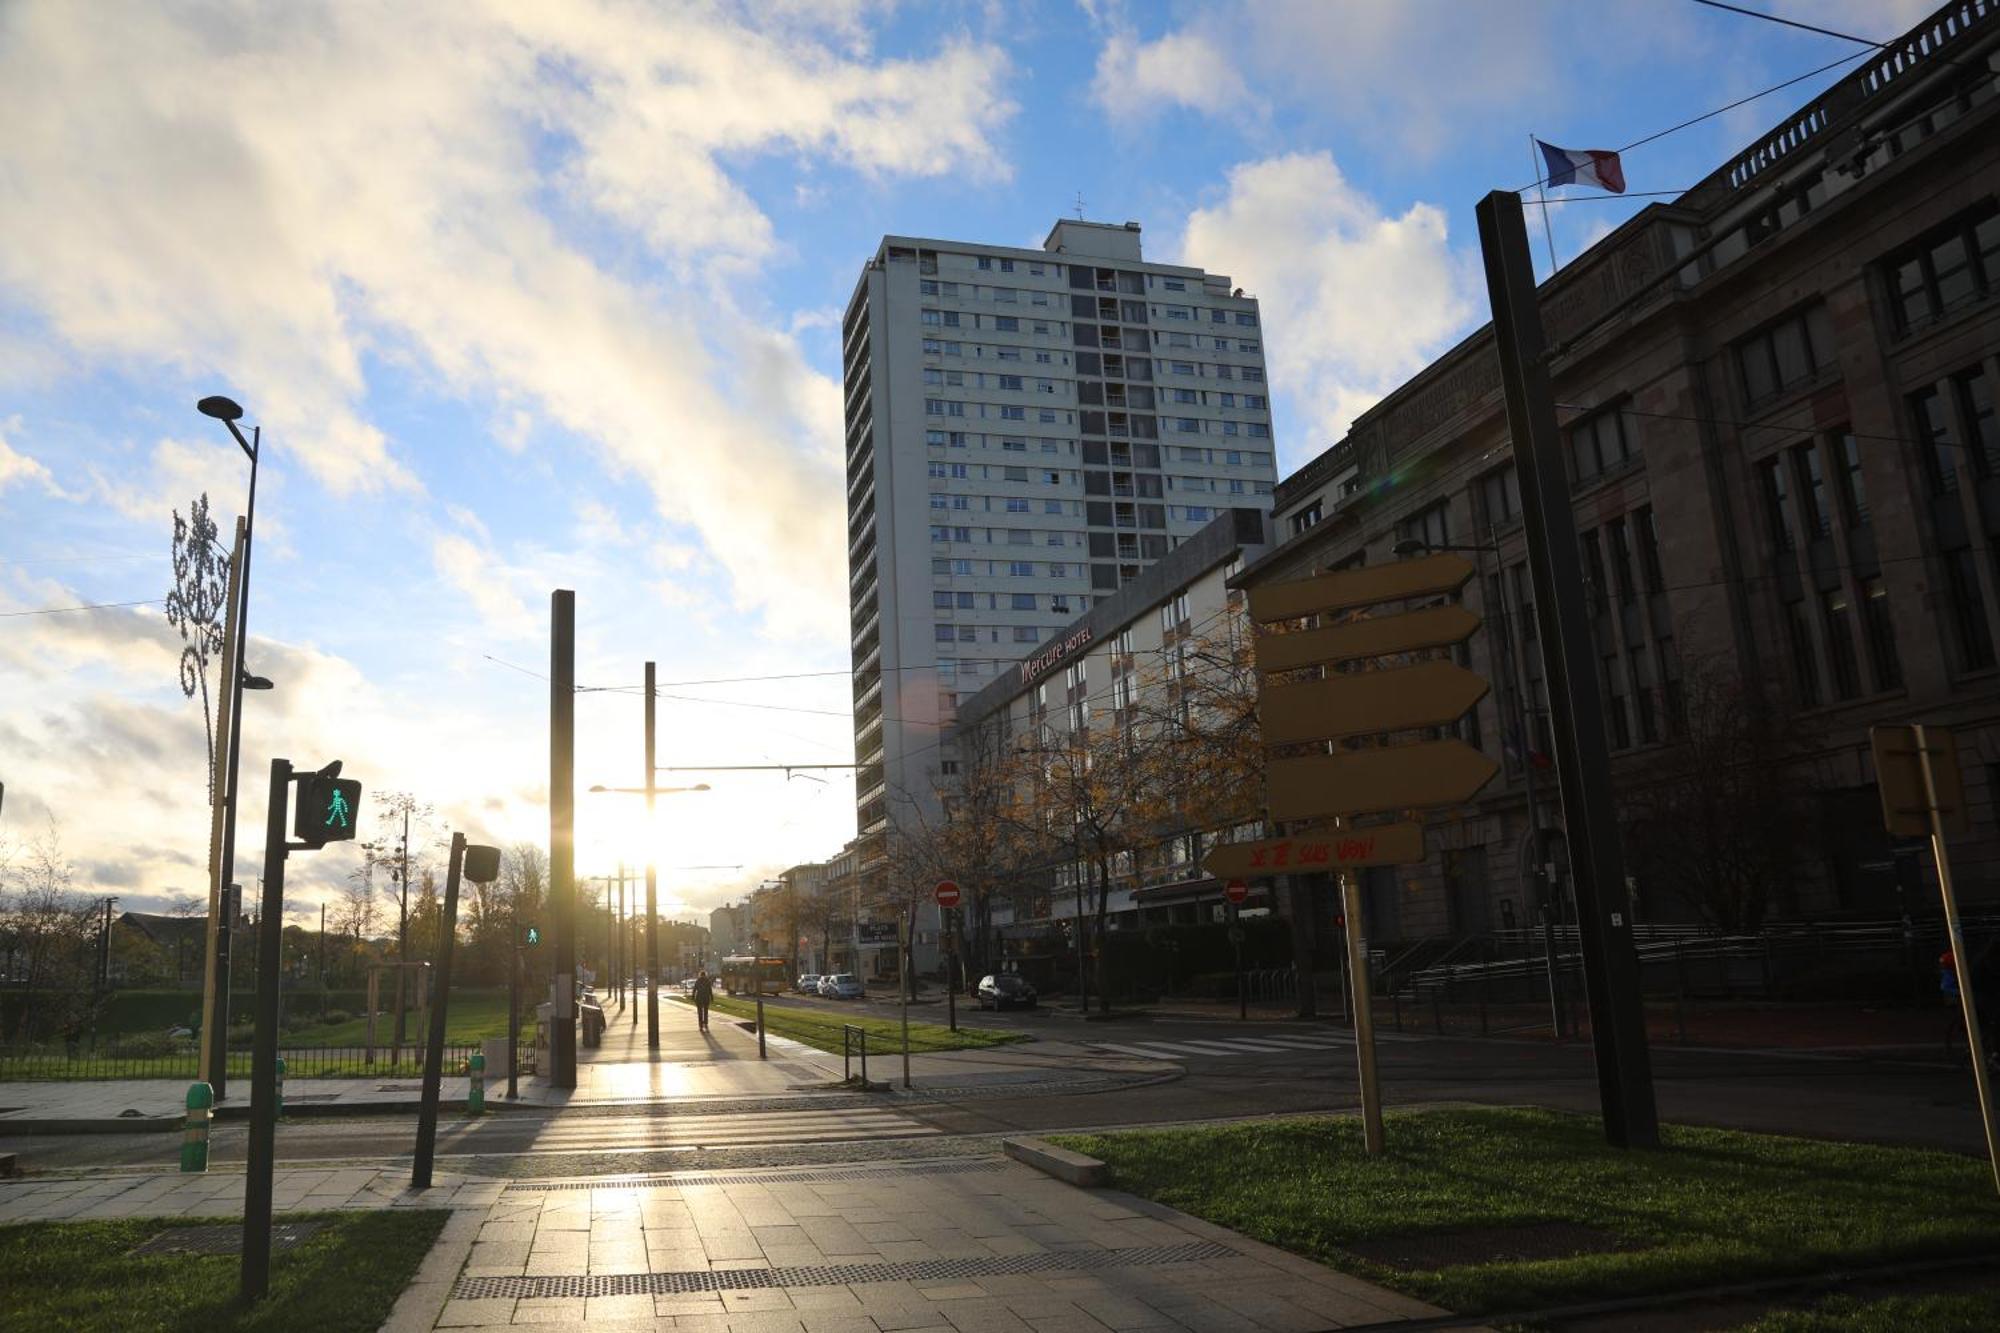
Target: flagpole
pixel 1541 171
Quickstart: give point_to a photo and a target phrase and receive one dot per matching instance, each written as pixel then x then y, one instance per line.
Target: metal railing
pixel 851 1039
pixel 58 1063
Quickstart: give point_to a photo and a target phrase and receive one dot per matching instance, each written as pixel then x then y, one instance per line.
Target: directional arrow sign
pixel 1350 588
pixel 1429 694
pixel 1377 636
pixel 1353 782
pixel 1382 845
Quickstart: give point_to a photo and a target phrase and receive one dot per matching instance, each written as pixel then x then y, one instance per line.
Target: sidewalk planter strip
pixel 820 1029
pixel 85 1277
pixel 1710 1206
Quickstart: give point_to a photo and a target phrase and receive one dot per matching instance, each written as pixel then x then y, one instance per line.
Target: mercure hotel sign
pixel 1051 657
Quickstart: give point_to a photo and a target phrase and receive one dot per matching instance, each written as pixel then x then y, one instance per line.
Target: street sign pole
pixel 1583 762
pixel 652 885
pixel 514 1015
pixel 1364 1013
pixel 1236 944
pixel 1961 960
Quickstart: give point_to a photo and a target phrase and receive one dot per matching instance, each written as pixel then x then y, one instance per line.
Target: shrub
pixel 145 1045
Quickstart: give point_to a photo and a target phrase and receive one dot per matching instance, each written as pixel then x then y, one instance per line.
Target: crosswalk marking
pixel 1225 1047
pixel 634 1133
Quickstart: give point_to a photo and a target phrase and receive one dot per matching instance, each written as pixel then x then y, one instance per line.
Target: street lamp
pixel 228 412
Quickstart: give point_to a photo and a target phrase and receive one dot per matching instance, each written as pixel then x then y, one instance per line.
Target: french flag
pixel 1583 166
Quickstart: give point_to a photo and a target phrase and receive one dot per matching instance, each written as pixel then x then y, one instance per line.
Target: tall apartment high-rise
pixel 1027 430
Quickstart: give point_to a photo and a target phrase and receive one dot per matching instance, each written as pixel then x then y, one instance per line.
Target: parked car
pixel 1004 990
pixel 841 986
pixel 808 983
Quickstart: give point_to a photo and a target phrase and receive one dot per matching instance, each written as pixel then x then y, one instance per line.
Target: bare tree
pixel 1719 816
pixel 49 929
pixel 196 607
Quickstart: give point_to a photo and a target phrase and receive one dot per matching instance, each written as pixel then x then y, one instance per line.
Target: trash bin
pixel 593 1025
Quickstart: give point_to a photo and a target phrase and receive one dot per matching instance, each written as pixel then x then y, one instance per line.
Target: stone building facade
pixel 1777 401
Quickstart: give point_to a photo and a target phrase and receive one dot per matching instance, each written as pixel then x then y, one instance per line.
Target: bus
pixel 747 975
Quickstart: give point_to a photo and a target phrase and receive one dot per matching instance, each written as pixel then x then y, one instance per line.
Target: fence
pixel 59 1064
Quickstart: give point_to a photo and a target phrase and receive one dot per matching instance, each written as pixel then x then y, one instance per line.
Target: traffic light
pixel 531 935
pixel 327 808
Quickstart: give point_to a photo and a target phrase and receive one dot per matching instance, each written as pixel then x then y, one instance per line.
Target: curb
pixel 132 1124
pixel 1072 1168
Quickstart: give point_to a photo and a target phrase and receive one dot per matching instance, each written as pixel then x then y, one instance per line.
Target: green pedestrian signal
pixel 327 810
pixel 530 936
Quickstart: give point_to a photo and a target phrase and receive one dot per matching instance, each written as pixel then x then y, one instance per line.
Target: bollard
pixel 194 1139
pixel 281 1087
pixel 475 1092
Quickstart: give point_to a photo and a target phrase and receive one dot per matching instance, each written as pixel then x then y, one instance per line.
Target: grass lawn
pixel 468 1018
pixel 1711 1206
pixel 78 1276
pixel 818 1028
pixel 1958 1312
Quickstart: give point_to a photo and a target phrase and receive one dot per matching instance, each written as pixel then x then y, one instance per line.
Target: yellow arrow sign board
pixel 1323 850
pixel 1901 779
pixel 1356 782
pixel 1429 694
pixel 1349 588
pixel 1377 636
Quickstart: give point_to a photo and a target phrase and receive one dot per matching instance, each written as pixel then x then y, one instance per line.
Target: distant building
pixel 729 931
pixel 1027 431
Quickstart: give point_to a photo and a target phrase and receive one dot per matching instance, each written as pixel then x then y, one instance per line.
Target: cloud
pixel 17 468
pixel 1136 79
pixel 418 188
pixel 1355 299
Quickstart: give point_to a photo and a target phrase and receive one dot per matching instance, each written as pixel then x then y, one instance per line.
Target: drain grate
pixel 223 1239
pixel 833 1275
pixel 764 1177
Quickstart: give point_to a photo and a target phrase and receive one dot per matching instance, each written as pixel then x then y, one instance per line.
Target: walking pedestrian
pixel 704 993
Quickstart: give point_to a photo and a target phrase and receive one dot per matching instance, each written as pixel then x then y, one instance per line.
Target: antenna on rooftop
pixel 1079 205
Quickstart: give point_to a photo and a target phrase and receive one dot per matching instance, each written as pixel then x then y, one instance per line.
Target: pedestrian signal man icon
pixel 337 813
pixel 327 810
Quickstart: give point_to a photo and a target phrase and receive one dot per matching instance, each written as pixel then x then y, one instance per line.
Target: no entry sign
pixel 1236 890
pixel 946 893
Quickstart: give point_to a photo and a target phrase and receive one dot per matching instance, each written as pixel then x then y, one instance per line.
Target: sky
pixel 529 296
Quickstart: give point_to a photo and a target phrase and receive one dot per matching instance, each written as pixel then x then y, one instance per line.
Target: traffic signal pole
pixel 256 1277
pixel 1583 761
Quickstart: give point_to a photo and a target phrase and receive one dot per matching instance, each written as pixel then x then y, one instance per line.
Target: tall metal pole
pixel 215 968
pixel 1583 760
pixel 427 1109
pixel 256 452
pixel 562 835
pixel 263 1149
pixel 652 882
pixel 1961 960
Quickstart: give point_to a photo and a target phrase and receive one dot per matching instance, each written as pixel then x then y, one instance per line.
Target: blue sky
pixel 530 297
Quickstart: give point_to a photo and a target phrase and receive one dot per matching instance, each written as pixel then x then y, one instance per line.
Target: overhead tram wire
pixel 1789 23
pixel 87 606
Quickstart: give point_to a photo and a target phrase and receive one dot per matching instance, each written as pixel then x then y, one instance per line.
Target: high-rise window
pixel 1881 633
pixel 1853 490
pixel 1940 451
pixel 1785 353
pixel 1805 666
pixel 1972 636
pixel 1975 400
pixel 1818 511
pixel 1777 509
pixel 1837 620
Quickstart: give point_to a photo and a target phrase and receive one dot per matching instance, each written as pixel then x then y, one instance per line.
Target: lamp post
pixel 229 413
pixel 1537 855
